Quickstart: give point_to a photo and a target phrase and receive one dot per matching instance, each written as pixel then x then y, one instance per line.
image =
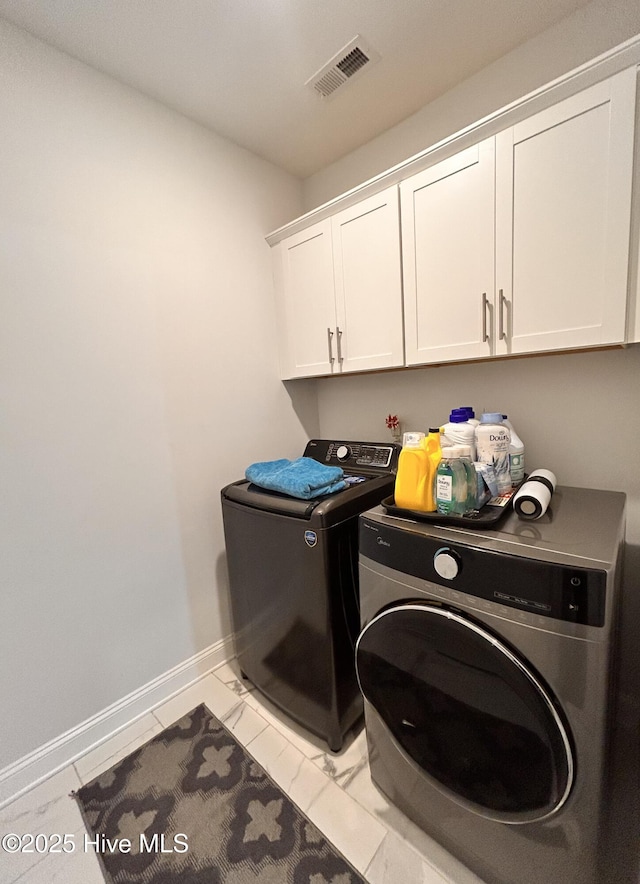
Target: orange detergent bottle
pixel 413 463
pixel 434 456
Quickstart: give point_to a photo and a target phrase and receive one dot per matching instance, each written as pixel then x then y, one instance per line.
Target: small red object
pixel 392 421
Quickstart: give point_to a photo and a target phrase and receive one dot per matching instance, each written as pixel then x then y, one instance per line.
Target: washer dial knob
pixel 343 452
pixel 447 563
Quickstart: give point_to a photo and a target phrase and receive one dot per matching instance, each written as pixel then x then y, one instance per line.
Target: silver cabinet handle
pixel 339 341
pixel 330 342
pixel 485 304
pixel 503 300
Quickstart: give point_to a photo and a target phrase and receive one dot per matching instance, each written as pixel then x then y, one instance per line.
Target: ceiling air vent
pixel 351 60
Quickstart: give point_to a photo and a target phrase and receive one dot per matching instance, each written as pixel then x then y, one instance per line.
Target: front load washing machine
pixel 485 660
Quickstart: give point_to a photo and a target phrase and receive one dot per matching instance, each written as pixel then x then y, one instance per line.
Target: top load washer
pixel 293 582
pixel 485 660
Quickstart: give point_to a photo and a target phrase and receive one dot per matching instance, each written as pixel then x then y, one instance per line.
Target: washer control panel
pixel 369 457
pixel 535 588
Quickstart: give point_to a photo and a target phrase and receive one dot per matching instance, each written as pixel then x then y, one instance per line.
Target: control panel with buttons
pixel 537 589
pixel 360 454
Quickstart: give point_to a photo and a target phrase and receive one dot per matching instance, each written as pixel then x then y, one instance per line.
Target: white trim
pixel 600 68
pixel 39 765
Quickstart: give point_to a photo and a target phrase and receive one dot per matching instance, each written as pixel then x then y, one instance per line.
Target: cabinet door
pixel 368 284
pixel 562 225
pixel 448 257
pixel 305 287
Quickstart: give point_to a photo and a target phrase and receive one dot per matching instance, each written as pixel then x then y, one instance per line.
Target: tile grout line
pixel 325 764
pixel 118 755
pixel 365 874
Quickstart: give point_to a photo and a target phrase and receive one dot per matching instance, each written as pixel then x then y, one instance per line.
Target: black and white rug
pixel 192 807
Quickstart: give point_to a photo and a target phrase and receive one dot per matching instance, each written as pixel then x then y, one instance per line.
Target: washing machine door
pixel 474 717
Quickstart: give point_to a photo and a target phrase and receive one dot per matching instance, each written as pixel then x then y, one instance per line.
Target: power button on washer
pixel 447 563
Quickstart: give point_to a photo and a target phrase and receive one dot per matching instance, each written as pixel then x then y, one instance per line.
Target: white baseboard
pixel 42 763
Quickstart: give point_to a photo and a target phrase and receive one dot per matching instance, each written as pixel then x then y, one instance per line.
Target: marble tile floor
pixel 334 790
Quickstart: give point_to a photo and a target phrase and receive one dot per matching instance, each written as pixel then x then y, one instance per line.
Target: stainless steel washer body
pixel 486 661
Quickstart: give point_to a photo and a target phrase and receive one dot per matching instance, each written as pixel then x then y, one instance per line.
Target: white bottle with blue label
pixel 516 454
pixel 493 439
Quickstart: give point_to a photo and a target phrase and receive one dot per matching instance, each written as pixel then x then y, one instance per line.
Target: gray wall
pixel 578 414
pixel 138 375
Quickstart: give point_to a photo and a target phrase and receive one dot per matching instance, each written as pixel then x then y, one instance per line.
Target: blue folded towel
pixel 304 477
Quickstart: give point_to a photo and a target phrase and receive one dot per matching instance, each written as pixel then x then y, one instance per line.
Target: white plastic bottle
pixel 459 431
pixel 516 454
pixel 471 415
pixel 492 443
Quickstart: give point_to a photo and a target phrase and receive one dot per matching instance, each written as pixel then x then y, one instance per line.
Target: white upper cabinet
pixel 556 189
pixel 448 257
pixel 339 289
pixel 517 244
pixel 368 283
pixel 563 202
pixel 307 317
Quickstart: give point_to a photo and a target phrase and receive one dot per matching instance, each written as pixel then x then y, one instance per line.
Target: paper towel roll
pixel 533 497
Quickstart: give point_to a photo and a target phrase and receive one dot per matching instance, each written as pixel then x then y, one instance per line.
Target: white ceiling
pixel 239 66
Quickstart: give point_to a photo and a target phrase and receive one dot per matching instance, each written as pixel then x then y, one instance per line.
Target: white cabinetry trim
pixel 598 69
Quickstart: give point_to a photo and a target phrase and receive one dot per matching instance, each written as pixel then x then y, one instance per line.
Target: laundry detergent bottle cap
pixel 491 417
pixel 471 415
pixel 458 416
pixel 412 440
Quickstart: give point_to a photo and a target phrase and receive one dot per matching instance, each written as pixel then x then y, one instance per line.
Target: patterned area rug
pixel 192 807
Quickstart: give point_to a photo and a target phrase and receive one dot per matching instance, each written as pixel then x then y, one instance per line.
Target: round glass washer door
pixel 468 711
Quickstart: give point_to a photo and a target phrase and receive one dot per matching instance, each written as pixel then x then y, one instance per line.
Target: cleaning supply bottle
pixel 434 456
pixel 471 415
pixel 459 431
pixel 492 445
pixel 516 454
pixel 464 453
pixel 409 492
pixel 451 484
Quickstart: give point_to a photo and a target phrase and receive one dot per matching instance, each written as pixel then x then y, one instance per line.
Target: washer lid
pixel 323 512
pixel 468 711
pixel 247 494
